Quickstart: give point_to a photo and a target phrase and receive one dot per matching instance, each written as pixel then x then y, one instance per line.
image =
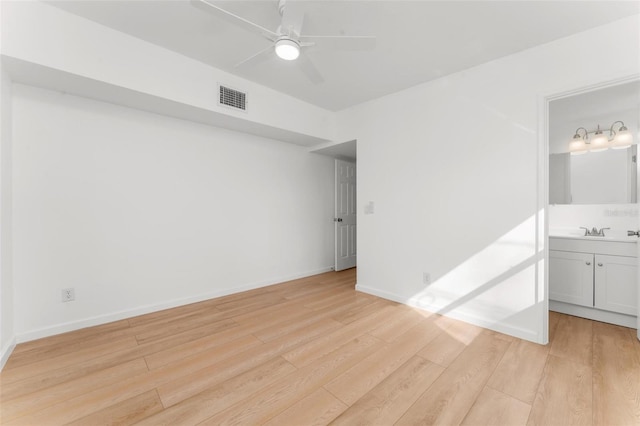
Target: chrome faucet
pixel 594 232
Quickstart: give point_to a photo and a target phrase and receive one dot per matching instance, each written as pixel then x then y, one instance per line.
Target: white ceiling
pixel 417 41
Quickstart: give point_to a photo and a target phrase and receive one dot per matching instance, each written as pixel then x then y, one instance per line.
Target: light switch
pixel 369 207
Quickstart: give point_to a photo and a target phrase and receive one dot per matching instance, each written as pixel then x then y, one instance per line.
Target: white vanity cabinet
pixel 571 277
pixel 594 279
pixel 615 284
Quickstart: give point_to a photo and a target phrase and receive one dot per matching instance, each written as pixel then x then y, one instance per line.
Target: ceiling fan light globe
pixel 287 49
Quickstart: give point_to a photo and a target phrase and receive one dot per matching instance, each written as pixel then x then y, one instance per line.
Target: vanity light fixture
pixel 617 139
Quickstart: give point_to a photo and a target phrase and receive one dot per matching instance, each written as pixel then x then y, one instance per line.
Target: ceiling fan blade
pixel 341 42
pixel 310 70
pixel 208 6
pixel 257 58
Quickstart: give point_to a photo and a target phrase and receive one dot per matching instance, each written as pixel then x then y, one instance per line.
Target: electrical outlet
pixel 68 294
pixel 426 278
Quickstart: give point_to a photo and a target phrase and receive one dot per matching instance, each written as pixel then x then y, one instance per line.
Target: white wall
pixel 7 336
pixel 568 218
pixel 453 168
pixel 139 211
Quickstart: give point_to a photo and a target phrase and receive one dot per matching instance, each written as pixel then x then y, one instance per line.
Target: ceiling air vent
pixel 233 98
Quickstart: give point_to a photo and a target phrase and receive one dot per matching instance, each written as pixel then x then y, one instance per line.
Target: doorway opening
pixel 598 190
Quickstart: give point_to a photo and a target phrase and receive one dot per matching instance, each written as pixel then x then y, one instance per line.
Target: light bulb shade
pixel 287 49
pixel 599 142
pixel 577 145
pixel 623 139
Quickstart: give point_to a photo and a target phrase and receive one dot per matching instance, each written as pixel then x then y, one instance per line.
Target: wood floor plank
pixel 362 311
pixel 573 340
pixel 190 384
pixel 253 302
pixel 353 384
pixel 219 397
pixel 274 399
pixel 69 345
pixel 636 342
pixel 103 397
pixel 526 361
pixel 171 328
pixel 290 308
pixel 496 408
pixel 316 287
pixel 173 313
pixel 306 354
pixel 616 376
pixel 127 412
pixel 317 409
pixel 451 396
pixel 35 401
pixel 83 367
pixel 390 399
pixel 337 297
pixel 70 337
pixel 564 396
pixel 398 324
pixel 447 346
pixel 179 351
pixel 268 333
pixel 66 360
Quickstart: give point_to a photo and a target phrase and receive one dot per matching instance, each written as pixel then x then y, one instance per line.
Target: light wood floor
pixel 314 351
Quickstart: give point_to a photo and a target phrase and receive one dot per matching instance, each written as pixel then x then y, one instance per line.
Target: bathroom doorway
pixel 591 202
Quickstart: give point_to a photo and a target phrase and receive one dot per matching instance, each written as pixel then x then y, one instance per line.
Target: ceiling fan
pixel 287 41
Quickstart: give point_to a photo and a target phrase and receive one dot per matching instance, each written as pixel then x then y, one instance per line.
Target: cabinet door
pixel 571 277
pixel 615 284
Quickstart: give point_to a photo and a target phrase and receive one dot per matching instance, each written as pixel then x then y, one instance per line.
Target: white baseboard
pixel 141 310
pixel 594 314
pixel 6 352
pixel 458 314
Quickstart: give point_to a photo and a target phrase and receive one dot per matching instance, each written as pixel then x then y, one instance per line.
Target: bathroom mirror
pixel 605 177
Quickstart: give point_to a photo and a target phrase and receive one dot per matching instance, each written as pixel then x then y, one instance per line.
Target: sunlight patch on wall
pixel 494 283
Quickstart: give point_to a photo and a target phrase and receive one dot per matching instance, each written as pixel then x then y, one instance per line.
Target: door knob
pixel 337 219
pixel 632 233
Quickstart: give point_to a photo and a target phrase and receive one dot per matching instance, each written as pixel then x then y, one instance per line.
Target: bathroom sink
pixel 579 235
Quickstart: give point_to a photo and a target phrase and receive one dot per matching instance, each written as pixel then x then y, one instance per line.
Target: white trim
pixel 593 314
pixel 470 318
pixel 7 351
pixel 145 309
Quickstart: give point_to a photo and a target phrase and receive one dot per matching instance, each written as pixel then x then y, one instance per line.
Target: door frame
pixel 542 224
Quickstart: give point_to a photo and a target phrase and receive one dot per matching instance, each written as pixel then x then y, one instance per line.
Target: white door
pixel 345 215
